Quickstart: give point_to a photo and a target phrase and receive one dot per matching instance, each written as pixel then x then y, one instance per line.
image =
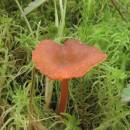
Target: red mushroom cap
pixel 70 60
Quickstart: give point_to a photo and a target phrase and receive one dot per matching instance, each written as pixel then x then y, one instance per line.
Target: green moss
pixel 95 100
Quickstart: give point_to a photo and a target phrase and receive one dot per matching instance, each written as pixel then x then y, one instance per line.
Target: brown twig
pixel 31 98
pixel 118 10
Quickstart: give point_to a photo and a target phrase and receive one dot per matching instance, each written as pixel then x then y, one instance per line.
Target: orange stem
pixel 63 96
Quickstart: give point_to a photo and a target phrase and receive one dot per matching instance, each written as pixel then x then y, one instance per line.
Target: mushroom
pixel 64 62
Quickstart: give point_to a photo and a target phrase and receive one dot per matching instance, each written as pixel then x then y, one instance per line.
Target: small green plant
pixel 71 122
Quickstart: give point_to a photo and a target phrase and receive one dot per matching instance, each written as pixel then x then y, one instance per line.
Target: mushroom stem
pixel 63 96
